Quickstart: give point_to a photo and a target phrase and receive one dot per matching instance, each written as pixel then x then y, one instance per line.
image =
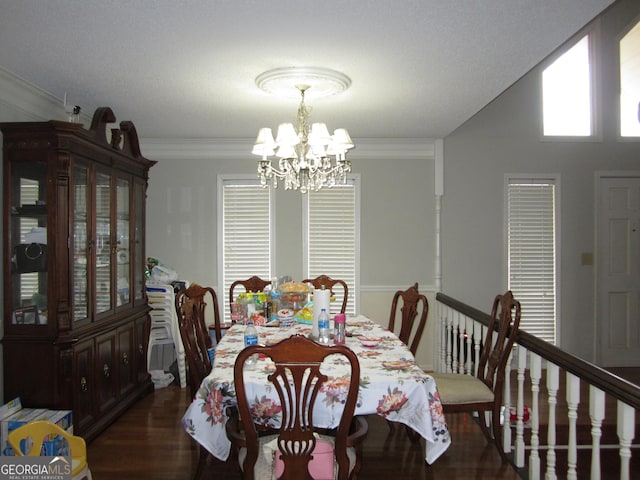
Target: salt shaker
pixel 340 332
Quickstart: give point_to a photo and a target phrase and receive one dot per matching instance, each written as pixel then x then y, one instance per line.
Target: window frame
pixel 239 179
pixel 555 179
pixel 353 305
pixel 592 33
pixel 623 138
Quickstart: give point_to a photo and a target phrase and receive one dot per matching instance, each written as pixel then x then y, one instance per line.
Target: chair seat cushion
pixel 267 467
pixel 460 389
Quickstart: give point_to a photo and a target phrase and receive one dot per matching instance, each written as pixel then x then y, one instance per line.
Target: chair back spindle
pixel 252 284
pixel 297 379
pixel 329 283
pixel 505 311
pixel 411 302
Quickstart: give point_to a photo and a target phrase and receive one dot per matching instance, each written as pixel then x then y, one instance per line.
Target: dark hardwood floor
pixel 148 442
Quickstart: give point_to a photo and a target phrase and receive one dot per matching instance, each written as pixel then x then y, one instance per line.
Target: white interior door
pixel 618 287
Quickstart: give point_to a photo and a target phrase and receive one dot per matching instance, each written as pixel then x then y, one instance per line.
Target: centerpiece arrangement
pixel 281 304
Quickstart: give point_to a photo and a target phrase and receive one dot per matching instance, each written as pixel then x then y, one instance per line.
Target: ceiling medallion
pixel 321 82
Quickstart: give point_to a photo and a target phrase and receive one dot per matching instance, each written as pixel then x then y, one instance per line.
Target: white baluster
pixel 626 427
pixel 461 344
pixel 442 352
pixel 447 342
pixel 506 400
pixel 596 412
pixel 534 456
pixel 468 350
pixel 573 399
pixel 454 348
pixel 522 365
pixel 552 388
pixel 477 338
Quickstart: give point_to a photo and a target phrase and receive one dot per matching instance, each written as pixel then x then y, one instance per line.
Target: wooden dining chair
pixel 328 283
pixel 253 284
pixel 190 307
pixel 297 379
pixel 410 302
pixel 201 297
pixel 483 392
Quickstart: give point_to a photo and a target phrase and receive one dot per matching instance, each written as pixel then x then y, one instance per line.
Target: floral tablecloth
pixel 391 385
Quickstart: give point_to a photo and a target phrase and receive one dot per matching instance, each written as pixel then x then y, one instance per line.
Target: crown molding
pixel 32 102
pixel 230 149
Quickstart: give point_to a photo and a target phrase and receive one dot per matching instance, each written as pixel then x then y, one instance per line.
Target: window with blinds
pixel 531 238
pixel 331 238
pixel 246 217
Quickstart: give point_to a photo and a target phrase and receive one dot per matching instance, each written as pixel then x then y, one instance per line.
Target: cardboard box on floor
pixel 13 416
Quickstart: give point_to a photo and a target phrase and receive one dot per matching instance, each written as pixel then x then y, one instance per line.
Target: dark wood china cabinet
pixel 75 311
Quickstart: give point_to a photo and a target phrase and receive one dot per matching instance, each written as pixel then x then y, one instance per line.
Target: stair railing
pixel 540 425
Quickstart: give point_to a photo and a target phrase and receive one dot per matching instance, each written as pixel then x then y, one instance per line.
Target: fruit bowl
pixel 295 300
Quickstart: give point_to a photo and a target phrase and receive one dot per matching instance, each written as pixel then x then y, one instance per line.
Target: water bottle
pixel 323 327
pixel 340 333
pixel 275 305
pixel 251 338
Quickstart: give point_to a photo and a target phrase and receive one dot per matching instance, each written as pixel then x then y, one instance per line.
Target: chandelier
pixel 309 158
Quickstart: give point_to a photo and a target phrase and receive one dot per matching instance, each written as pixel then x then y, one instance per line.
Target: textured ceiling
pixel 186 68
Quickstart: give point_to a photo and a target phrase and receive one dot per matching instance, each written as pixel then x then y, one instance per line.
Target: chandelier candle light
pixel 309 158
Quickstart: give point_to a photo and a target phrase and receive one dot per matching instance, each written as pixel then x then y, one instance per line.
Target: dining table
pixel 392 385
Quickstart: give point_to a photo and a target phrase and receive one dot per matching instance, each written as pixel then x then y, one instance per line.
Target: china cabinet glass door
pixel 103 278
pixel 139 259
pixel 79 247
pixel 29 243
pixel 122 241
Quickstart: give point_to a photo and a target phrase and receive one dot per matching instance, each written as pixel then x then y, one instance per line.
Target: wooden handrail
pixel 606 381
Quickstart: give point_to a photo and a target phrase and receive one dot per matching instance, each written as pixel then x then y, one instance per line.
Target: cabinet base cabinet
pixel 82 379
pixel 73 259
pixel 37 382
pixel 93 377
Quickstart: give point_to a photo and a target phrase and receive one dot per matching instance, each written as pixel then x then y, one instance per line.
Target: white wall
pixel 504 138
pixel 397 216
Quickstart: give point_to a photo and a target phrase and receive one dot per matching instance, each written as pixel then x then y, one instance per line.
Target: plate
pixel 369 341
pixel 397 364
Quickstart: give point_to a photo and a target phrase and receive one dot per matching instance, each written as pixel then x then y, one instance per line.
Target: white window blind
pixel 246 234
pixel 531 216
pixel 331 239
